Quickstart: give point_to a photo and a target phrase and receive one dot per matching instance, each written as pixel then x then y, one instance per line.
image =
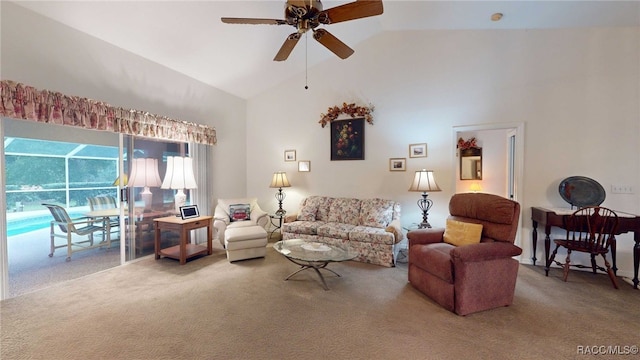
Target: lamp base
pixel 180 199
pixel 147 198
pixel 424 225
pixel 424 204
pixel 280 196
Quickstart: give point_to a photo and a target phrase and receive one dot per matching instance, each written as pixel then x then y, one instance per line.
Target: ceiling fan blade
pixel 354 10
pixel 230 20
pixel 287 47
pixel 332 43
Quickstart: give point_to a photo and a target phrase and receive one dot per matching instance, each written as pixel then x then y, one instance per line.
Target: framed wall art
pixel 417 150
pixel 398 164
pixel 304 166
pixel 289 155
pixel 347 139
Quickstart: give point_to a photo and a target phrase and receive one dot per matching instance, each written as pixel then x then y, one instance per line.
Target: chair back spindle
pixel 592 227
pixel 590 230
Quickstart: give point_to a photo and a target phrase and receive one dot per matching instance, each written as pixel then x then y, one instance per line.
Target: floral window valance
pixel 20 101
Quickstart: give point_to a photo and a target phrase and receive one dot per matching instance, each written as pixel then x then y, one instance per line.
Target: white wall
pixel 576 91
pixel 48 55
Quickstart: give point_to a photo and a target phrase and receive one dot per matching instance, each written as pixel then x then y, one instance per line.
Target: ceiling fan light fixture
pixel 496 17
pixel 307 15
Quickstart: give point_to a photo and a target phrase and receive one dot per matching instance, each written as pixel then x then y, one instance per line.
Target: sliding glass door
pixel 93 175
pixel 44 164
pixel 144 198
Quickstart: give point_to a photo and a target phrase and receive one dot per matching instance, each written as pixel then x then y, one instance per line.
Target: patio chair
pixel 83 226
pixel 105 202
pixel 102 202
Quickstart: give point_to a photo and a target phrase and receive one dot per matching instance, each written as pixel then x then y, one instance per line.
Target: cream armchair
pixel 242 238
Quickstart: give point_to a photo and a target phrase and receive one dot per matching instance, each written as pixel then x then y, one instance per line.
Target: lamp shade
pixel 144 173
pixel 475 187
pixel 424 181
pixel 125 181
pixel 179 174
pixel 279 180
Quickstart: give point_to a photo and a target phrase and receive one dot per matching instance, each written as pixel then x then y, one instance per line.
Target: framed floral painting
pixel 347 139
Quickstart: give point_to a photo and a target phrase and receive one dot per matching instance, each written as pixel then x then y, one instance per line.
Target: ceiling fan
pixel 307 15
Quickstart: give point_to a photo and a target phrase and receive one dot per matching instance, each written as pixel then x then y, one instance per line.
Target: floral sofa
pixel 369 226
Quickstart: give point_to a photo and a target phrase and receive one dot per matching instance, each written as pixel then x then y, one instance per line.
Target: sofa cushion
pixel 486 207
pixel 324 207
pixel 376 212
pixel 434 259
pixel 335 230
pixel 368 234
pixel 462 233
pixel 309 209
pixel 240 224
pixel 245 233
pixel 302 227
pixel 345 211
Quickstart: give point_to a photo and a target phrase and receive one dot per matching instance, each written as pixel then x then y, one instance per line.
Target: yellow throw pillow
pixel 460 233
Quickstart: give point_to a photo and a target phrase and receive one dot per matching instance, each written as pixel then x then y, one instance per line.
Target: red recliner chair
pixel 474 277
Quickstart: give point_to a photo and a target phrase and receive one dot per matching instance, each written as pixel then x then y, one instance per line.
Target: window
pixel 39 171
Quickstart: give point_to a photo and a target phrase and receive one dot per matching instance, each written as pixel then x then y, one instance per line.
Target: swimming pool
pixel 32 222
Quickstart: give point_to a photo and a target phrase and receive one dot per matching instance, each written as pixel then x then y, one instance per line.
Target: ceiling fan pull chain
pixel 306 61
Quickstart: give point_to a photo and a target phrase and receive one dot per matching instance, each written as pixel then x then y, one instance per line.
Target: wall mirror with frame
pixel 471 164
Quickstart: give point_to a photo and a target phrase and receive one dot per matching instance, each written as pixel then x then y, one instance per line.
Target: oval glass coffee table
pixel 313 255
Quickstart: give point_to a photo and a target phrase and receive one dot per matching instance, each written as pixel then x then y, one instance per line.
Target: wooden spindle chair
pixel 590 230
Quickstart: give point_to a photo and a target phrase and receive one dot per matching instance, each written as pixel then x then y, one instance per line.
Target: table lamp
pixel 144 173
pixel 424 181
pixel 279 181
pixel 179 176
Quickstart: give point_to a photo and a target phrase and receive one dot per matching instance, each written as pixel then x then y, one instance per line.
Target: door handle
pixel 124 195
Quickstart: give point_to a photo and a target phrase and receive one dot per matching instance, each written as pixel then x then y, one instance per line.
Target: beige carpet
pixel 211 309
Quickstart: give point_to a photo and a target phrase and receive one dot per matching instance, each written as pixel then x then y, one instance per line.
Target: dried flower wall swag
pixel 463 145
pixel 349 109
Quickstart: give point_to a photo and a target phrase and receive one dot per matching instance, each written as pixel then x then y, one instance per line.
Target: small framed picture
pixel 189 212
pixel 398 164
pixel 417 150
pixel 289 155
pixel 304 166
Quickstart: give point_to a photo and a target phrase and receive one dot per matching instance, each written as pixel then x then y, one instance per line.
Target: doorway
pixel 502 161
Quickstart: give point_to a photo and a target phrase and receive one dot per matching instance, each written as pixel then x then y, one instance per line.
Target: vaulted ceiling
pixel 188 36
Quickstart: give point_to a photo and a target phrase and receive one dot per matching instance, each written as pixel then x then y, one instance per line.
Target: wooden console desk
pixel 548 218
pixel 185 249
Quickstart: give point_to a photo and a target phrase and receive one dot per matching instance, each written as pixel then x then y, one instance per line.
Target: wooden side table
pixel 185 249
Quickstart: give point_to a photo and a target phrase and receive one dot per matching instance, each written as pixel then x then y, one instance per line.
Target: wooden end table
pixel 185 249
